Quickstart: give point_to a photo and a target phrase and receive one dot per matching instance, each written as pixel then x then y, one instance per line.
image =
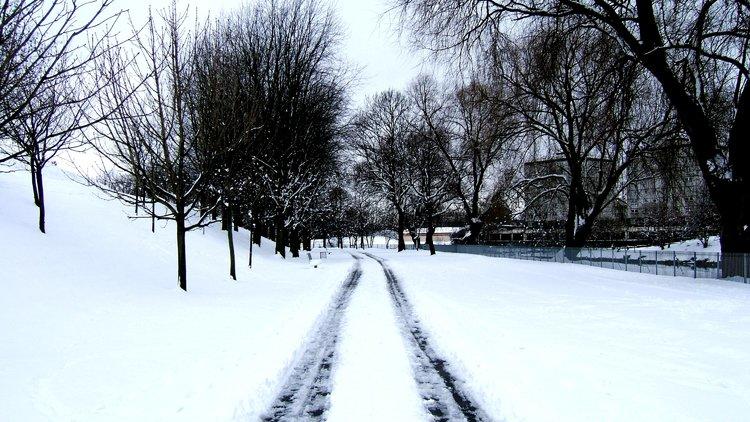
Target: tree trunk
pixel 271 231
pixel 401 227
pixel 577 236
pixel 252 237
pixel 225 219
pixel 181 250
pixel 731 197
pixel 40 194
pixel 153 203
pixel 34 188
pixel 430 233
pixel 135 194
pixel 734 239
pixel 279 234
pixel 475 227
pixel 153 216
pixel 257 231
pixel 230 241
pixel 294 242
pixel 307 243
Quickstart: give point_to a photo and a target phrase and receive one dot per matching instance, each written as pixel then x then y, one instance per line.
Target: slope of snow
pixel 543 341
pixel 94 326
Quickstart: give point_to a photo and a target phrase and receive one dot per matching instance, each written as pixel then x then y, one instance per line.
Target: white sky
pixel 371 41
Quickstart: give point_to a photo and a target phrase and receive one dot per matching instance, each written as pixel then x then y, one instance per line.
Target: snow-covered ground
pixel 542 341
pixel 373 380
pixel 94 327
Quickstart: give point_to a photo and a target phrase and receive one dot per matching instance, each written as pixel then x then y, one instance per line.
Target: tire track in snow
pixel 306 391
pixel 442 393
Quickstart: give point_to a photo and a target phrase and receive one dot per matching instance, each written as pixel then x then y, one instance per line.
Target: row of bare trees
pixel 558 89
pixel 234 120
pixel 422 152
pixel 693 55
pixel 238 118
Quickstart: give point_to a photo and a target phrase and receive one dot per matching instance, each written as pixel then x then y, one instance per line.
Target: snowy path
pixel 373 376
pixel 443 395
pixel 370 359
pixel 307 390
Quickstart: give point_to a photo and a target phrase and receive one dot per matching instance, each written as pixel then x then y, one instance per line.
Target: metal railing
pixel 735 266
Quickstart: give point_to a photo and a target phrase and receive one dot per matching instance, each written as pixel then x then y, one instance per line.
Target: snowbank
pixel 692 245
pixel 95 328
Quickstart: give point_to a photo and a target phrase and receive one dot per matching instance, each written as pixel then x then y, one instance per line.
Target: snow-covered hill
pixel 94 326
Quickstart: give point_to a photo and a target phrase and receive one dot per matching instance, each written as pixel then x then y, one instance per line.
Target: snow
pixel 692 245
pixel 95 327
pixel 542 341
pixel 374 363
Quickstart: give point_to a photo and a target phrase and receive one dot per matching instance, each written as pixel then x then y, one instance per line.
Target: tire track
pixel 306 391
pixel 443 395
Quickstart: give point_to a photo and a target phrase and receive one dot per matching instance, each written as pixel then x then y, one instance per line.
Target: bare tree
pixel 298 83
pixel 51 123
pixel 473 131
pixel 151 138
pixel 593 114
pixel 430 177
pixel 47 54
pixel 225 116
pixel 378 140
pixel 43 42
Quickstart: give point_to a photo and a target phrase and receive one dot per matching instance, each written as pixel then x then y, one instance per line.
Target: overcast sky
pixel 371 42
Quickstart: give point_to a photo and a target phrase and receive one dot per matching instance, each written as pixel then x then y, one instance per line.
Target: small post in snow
pixel 718 262
pixel 674 263
pixel 695 265
pixel 640 267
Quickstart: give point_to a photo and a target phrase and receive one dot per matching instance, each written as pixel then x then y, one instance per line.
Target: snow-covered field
pixel 94 328
pixel 544 341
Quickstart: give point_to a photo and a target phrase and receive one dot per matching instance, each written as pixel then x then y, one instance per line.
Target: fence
pixel 671 263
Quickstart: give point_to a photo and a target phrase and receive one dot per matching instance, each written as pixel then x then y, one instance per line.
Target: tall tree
pixel 429 177
pixel 50 124
pixel 152 138
pixel 592 111
pixel 225 117
pixel 299 83
pixel 42 43
pixel 378 140
pixel 473 131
